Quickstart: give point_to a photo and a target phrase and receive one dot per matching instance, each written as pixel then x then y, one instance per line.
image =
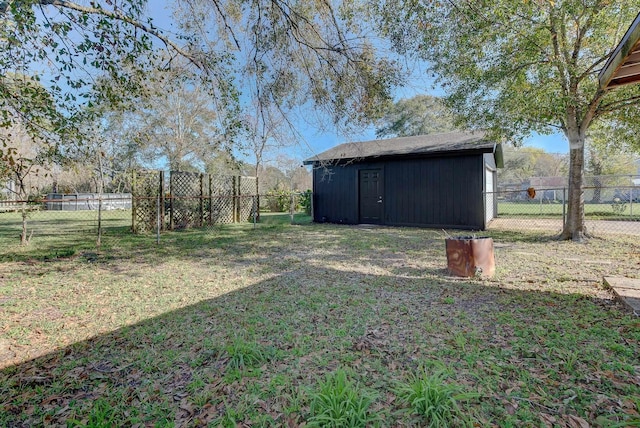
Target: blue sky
pixel 319 140
pixel 555 143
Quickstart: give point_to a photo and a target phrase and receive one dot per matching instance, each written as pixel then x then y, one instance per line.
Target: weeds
pixel 101 415
pixel 340 404
pixel 433 400
pixel 244 354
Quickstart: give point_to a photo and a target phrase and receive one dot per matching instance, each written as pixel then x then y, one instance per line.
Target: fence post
pixel 158 223
pixel 201 220
pixel 171 197
pixel 564 207
pixel 631 201
pixel 291 207
pixel 99 242
pixel 133 201
pixel 255 211
pixel 210 199
pixel 161 202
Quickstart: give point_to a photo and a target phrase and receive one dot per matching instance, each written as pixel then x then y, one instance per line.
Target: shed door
pixel 371 196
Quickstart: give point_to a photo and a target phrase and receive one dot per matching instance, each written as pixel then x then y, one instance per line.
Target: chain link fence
pixel 612 205
pixel 597 188
pixel 61 225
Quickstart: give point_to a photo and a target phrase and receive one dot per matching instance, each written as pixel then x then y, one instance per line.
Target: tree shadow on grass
pixel 245 245
pixel 521 236
pixel 253 355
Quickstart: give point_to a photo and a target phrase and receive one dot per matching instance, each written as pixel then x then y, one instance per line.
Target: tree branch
pixel 557 54
pixel 592 110
pixel 295 31
pixel 618 105
pixel 226 24
pixel 593 66
pixel 115 14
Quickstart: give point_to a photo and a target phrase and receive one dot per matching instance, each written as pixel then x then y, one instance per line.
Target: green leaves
pixel 513 67
pixel 244 354
pixel 290 54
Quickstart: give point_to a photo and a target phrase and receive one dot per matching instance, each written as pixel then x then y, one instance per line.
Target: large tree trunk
pixel 574 227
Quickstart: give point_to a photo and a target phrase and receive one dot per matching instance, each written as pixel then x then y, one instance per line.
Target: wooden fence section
pixel 191 200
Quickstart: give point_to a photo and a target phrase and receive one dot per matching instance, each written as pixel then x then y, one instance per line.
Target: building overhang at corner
pixel 623 66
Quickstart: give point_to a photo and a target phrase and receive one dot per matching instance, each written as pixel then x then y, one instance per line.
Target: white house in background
pixel 8 192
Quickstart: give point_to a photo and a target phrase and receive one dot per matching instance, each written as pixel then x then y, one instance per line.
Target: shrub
pixel 305 201
pixel 278 200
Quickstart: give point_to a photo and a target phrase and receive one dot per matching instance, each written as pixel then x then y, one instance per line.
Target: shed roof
pixel 623 66
pixel 431 144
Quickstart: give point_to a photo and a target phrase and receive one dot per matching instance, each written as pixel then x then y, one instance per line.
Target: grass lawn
pixel 61 230
pixel 593 211
pixel 317 324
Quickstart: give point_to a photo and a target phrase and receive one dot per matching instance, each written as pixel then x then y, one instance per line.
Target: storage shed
pixel 438 180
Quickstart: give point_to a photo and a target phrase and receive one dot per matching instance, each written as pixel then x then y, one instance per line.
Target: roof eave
pixel 498 155
pixel 629 44
pixel 427 154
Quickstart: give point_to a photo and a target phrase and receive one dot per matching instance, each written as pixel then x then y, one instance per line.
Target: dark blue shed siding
pixel 430 192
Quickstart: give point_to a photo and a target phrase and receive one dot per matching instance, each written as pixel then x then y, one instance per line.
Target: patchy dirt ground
pixel 598 227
